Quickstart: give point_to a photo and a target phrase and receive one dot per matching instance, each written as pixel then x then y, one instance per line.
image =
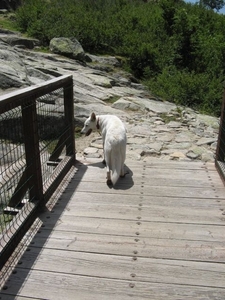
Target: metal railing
pixel 37 149
pixel 220 152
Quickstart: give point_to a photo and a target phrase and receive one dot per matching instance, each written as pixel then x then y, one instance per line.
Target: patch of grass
pixel 42 49
pixel 77 132
pixel 50 145
pixel 112 99
pixel 176 115
pixel 4 220
pixel 8 21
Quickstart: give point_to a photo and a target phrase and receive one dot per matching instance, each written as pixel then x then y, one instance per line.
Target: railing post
pixel 69 118
pixel 220 151
pixel 31 140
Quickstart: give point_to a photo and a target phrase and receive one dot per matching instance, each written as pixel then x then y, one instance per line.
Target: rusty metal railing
pixel 37 149
pixel 220 152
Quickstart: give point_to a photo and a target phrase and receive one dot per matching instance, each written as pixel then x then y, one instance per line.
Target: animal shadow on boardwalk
pixel 123 183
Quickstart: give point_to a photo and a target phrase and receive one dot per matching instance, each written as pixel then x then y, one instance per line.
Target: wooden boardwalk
pixel 159 235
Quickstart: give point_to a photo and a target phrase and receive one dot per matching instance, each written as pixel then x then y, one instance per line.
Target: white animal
pixel 114 143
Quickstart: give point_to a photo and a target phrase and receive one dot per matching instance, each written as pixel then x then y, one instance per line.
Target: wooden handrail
pixel 16 98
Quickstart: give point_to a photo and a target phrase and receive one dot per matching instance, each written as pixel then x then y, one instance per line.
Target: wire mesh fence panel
pixel 13 162
pixel 51 125
pixel 36 132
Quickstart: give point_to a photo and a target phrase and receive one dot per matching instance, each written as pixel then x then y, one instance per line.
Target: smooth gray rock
pixel 105 60
pixel 124 104
pixel 13 73
pixel 19 41
pixel 68 47
pixel 206 141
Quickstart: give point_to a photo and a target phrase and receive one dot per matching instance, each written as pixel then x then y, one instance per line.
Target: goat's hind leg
pixel 108 176
pixel 122 172
pixel 107 163
pixel 104 161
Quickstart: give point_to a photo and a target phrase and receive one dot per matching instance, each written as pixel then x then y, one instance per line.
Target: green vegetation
pixel 78 132
pixel 7 21
pixel 177 49
pixel 4 220
pixel 112 99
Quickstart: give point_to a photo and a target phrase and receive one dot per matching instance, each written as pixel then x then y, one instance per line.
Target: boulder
pixel 67 47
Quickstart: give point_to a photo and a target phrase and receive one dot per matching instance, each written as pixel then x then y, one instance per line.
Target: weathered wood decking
pixel 160 234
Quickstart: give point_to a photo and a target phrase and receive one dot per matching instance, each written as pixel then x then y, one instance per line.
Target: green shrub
pixel 177 48
pixel 199 91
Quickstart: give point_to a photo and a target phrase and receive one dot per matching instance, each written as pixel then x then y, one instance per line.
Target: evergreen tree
pixel 213 4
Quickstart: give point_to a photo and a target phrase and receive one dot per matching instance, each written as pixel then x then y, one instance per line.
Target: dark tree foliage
pixel 213 4
pixel 177 49
pixel 10 4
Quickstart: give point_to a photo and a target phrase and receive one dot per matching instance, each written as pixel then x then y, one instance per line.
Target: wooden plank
pixel 121 267
pixel 150 208
pixel 72 197
pixel 128 187
pixel 148 169
pixel 179 177
pixel 153 162
pixel 123 227
pixel 171 165
pixel 203 178
pixel 99 198
pixel 86 288
pixel 120 245
pixel 200 180
pixel 156 213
